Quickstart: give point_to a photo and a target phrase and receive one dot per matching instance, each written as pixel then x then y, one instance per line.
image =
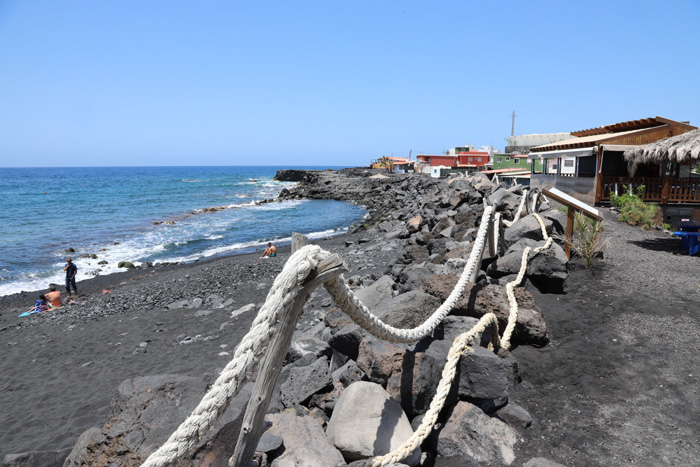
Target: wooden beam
pixel 675 123
pixel 570 201
pixel 253 426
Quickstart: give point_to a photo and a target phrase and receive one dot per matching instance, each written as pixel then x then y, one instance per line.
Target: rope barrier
pixel 520 210
pixel 228 384
pixel 282 293
pixel 360 314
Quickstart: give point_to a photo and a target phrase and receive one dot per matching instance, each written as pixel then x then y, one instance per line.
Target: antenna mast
pixel 512 125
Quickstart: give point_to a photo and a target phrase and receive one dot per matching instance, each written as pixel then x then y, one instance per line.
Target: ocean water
pixel 141 214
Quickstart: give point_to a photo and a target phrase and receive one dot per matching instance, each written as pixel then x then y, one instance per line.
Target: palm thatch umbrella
pixel 681 148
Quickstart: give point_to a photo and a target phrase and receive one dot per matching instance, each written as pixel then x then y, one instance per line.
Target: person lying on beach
pixel 270 251
pixel 54 297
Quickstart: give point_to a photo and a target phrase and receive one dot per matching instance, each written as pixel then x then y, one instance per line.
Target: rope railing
pixel 281 298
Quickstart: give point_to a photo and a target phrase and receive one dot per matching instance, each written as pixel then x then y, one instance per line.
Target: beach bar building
pixel 590 165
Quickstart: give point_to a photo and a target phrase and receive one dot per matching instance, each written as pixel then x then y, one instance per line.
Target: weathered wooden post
pixel 252 427
pixel 570 213
pixel 298 241
pixel 487 241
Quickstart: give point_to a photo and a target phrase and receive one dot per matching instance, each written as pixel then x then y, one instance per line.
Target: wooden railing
pixel 684 190
pixel 681 190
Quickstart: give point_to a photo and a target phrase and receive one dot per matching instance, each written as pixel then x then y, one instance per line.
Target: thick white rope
pixel 282 293
pixel 460 346
pixel 520 210
pixel 355 309
pixel 510 286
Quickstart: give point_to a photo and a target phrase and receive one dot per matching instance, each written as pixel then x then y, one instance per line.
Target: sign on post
pixel 573 205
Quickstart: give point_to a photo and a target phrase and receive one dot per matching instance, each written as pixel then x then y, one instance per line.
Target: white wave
pixel 281 205
pixel 214 237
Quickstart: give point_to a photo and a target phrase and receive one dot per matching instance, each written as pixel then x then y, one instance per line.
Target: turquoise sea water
pixel 111 212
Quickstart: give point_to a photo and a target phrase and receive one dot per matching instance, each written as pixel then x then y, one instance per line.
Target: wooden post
pixel 298 241
pixel 475 272
pixel 569 230
pixel 252 427
pixel 599 175
pixel 666 187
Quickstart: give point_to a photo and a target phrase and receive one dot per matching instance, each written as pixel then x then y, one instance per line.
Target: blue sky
pixel 328 83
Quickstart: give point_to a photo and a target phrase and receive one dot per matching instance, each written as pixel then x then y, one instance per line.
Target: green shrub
pixel 629 195
pixel 633 210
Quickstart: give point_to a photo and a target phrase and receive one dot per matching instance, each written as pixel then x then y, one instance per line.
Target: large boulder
pixel 381 360
pixel 304 442
pixel 368 422
pixel 414 276
pixel 558 219
pixel 477 300
pixel 347 340
pixel 36 459
pixel 503 200
pixel 482 375
pixel 527 227
pixel 378 291
pixel 470 431
pixel 408 310
pixel 303 382
pixel 146 411
pixel 547 270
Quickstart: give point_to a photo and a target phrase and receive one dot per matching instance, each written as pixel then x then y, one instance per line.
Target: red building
pixel 435 160
pixel 473 158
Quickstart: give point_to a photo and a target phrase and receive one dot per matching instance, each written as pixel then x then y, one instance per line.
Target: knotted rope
pixel 282 293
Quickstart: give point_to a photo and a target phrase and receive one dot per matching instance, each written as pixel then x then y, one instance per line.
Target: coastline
pixel 619 364
pixel 147 216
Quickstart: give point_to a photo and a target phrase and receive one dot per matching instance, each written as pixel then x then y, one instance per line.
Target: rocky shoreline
pixel 180 324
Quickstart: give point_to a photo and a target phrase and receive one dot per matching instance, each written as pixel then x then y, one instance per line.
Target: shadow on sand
pixel 671 245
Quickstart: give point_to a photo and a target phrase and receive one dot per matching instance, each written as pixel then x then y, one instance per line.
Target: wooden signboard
pixel 573 205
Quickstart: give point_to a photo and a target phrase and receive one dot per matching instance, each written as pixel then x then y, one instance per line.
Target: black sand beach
pixel 617 385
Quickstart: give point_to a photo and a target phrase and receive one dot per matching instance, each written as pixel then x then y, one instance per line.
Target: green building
pixel 514 161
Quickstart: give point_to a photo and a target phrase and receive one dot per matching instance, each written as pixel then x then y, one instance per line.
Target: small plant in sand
pixel 633 209
pixel 587 239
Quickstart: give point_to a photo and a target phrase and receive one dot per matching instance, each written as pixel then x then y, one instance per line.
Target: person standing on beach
pixel 270 251
pixel 71 271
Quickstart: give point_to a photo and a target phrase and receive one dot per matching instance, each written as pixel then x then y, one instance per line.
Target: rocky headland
pixel 343 394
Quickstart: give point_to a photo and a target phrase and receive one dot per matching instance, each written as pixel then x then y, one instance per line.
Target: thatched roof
pixel 681 148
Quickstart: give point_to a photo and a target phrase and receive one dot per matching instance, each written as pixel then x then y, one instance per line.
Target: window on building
pixel 498 159
pixel 507 159
pixel 516 160
pixel 568 163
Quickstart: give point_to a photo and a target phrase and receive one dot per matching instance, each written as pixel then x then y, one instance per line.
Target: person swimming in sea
pixel 270 251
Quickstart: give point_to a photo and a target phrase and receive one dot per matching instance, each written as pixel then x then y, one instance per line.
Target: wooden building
pixel 591 165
